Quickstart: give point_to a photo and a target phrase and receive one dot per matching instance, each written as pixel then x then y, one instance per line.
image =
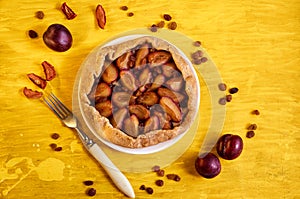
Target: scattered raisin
pixel 174 177
pixel 159 183
pixel 124 8
pixel 228 98
pixel 88 182
pixel 172 25
pixel 197 61
pixel 156 168
pixel 58 148
pixel 55 136
pixel 53 146
pixel 39 14
pixel 196 55
pixel 222 87
pixel 256 112
pixel 177 178
pixel 250 134
pixel 233 90
pixel 197 43
pixel 149 190
pixel 204 59
pixel 161 24
pixel 222 101
pixel 32 34
pixel 142 187
pixel 153 28
pixel 167 17
pixel 171 176
pixel 130 14
pixel 252 127
pixel 161 173
pixel 91 192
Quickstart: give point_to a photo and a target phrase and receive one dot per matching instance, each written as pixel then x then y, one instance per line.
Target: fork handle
pixel 115 174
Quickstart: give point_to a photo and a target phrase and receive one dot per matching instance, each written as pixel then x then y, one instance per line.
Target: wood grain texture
pixel 256 46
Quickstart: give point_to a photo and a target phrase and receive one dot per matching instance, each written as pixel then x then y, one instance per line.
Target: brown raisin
pixel 256 112
pixel 142 187
pixel 167 17
pixel 250 134
pixel 58 148
pixel 222 87
pixel 159 183
pixel 32 34
pixel 149 190
pixel 39 14
pixel 88 182
pixel 153 28
pixel 228 98
pixel 233 90
pixel 124 8
pixel 161 173
pixel 197 43
pixel 91 192
pixel 55 136
pixel 130 14
pixel 172 25
pixel 252 127
pixel 161 24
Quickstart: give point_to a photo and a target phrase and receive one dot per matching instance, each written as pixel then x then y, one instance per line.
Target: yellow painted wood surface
pixel 256 47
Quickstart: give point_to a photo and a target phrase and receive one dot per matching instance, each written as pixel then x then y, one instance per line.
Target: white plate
pixel 163 154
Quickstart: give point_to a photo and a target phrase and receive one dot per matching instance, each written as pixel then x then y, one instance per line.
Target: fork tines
pixel 57 106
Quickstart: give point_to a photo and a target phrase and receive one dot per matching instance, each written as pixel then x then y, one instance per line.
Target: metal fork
pixel 67 117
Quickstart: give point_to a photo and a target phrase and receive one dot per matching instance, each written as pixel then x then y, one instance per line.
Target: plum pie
pixel 139 93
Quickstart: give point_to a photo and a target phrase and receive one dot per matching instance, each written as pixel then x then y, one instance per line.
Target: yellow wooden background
pixel 256 47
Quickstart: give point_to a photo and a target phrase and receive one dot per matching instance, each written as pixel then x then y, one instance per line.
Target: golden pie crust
pixel 92 69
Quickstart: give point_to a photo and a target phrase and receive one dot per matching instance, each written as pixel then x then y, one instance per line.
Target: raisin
pixel 167 17
pixel 130 14
pixel 55 136
pixel 233 90
pixel 204 59
pixel 159 183
pixel 197 43
pixel 161 24
pixel 32 34
pixel 149 190
pixel 252 127
pixel 228 98
pixel 39 14
pixel 58 148
pixel 53 146
pixel 222 87
pixel 124 8
pixel 153 28
pixel 222 101
pixel 172 25
pixel 161 173
pixel 91 192
pixel 256 112
pixel 156 168
pixel 88 182
pixel 142 187
pixel 250 134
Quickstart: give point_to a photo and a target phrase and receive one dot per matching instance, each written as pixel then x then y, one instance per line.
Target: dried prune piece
pixel 37 80
pixel 70 14
pixel 48 70
pixel 31 94
pixel 100 16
